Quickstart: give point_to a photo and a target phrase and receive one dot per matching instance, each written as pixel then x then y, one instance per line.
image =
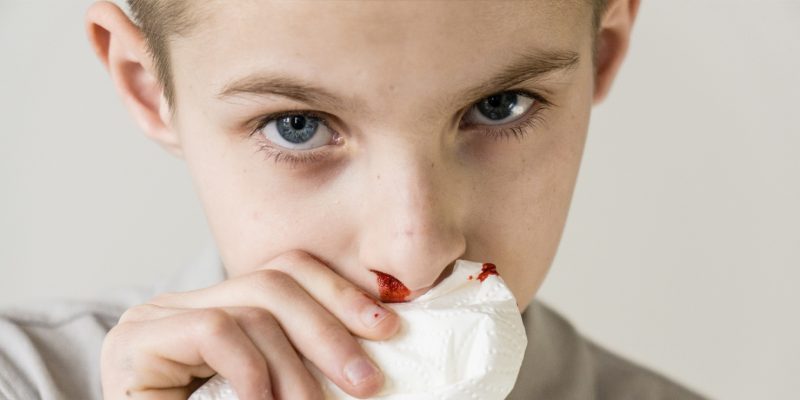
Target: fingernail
pixel 373 314
pixel 360 370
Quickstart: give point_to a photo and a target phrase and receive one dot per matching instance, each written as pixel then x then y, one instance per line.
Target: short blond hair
pixel 159 20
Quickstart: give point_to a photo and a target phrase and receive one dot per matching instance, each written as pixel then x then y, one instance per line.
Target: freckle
pixel 375 315
pixel 379 176
pixel 469 278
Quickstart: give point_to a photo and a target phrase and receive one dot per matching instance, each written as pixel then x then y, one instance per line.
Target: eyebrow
pixel 525 67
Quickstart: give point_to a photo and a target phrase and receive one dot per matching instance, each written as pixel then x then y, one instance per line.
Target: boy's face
pixel 407 174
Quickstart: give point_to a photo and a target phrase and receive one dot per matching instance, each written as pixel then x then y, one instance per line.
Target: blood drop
pixel 486 270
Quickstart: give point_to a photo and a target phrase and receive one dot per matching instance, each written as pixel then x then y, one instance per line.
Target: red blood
pixel 486 270
pixel 391 289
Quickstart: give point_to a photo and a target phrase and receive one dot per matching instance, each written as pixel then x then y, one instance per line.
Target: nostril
pixel 390 288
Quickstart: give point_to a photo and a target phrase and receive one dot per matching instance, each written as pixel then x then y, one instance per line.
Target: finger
pixel 195 338
pixel 363 315
pixel 289 376
pixel 313 331
pixel 149 311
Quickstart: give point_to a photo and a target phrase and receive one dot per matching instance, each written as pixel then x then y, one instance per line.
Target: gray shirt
pixel 52 350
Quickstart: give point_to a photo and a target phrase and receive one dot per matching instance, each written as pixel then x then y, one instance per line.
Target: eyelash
pixel 521 127
pixel 289 156
pixel 524 124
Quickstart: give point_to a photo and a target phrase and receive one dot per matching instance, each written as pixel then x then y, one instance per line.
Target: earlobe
pixel 613 39
pixel 120 46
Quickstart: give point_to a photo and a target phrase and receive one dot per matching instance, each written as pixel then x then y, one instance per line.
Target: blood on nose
pixel 390 288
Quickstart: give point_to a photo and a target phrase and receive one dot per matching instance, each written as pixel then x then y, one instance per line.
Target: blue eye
pixel 500 108
pixel 296 131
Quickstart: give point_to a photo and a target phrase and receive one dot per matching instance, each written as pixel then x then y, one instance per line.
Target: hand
pixel 253 330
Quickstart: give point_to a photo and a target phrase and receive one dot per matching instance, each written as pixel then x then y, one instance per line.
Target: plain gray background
pixel 681 251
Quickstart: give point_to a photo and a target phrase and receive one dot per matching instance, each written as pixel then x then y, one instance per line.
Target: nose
pixel 410 226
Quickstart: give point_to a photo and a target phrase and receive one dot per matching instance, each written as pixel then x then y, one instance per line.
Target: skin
pixel 404 188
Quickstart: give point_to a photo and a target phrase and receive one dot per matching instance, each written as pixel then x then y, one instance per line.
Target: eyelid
pixel 263 120
pixel 519 126
pixel 541 100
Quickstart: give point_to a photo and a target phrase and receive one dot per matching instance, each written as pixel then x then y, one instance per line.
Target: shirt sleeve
pixel 53 351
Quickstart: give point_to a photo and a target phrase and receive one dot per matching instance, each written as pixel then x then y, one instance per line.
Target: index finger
pixel 362 314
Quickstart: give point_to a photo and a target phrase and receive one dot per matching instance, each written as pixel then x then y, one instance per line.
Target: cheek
pixel 524 199
pixel 254 212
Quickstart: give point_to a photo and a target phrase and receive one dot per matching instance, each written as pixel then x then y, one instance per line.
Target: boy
pixel 330 143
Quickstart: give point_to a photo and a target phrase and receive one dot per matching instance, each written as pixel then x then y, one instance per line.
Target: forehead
pixel 382 48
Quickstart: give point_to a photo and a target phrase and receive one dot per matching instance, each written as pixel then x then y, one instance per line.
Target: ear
pixel 120 45
pixel 613 39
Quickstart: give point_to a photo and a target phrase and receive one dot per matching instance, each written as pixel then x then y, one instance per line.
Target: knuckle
pixel 117 353
pixel 214 322
pixel 333 331
pixel 131 314
pixel 294 257
pixel 254 369
pixel 114 336
pixel 256 318
pixel 353 295
pixel 136 313
pixel 162 298
pixel 270 280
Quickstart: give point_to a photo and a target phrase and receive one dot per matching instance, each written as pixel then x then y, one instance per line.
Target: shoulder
pixel 560 363
pixel 51 349
pixel 620 378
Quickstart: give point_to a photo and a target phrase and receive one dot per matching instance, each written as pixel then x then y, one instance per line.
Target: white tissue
pixel 463 339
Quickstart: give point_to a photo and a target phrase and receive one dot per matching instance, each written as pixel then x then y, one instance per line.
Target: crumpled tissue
pixel 463 339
